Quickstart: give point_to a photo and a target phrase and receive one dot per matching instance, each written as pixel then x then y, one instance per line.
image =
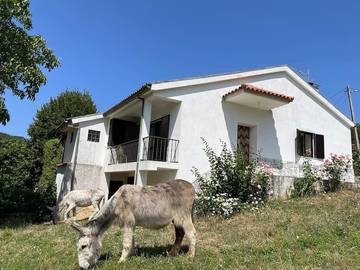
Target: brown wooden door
pixel 243 139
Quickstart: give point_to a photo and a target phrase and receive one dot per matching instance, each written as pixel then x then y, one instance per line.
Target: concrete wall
pixel 86 167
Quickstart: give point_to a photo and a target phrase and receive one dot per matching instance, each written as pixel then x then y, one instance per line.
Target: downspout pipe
pixel 139 143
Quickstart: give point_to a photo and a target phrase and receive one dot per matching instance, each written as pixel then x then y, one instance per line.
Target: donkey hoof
pixel 172 253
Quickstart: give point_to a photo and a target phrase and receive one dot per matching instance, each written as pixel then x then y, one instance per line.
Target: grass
pixel 321 232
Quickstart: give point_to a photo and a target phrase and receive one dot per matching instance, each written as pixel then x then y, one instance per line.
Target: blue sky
pixel 111 48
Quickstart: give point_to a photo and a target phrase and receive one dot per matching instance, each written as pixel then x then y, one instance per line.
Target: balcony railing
pixel 123 153
pixel 160 149
pixel 155 148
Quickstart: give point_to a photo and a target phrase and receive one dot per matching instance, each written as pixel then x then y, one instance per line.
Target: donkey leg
pixel 69 208
pixel 179 235
pixel 96 209
pixel 128 241
pixel 190 233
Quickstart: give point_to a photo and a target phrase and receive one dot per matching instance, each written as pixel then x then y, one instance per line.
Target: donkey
pixel 152 207
pixel 77 198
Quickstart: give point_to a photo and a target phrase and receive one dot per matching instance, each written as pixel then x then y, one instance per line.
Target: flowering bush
pixel 234 183
pixel 333 170
pixel 306 185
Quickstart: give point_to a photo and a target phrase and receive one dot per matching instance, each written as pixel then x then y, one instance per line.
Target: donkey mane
pixel 104 217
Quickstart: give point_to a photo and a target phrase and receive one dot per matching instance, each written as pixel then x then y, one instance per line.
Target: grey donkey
pixel 77 198
pixel 152 207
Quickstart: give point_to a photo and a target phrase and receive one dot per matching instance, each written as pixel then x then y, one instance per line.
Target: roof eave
pixel 139 93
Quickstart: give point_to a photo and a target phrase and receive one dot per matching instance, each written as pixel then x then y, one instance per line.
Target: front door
pixel 243 140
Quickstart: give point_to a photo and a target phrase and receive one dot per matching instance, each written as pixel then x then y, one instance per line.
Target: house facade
pixel 154 135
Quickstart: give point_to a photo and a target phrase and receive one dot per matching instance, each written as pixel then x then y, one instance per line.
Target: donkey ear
pixel 82 230
pixel 50 208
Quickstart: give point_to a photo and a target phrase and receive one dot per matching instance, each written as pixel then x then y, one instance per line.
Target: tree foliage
pixel 50 116
pixel 22 56
pixel 46 186
pixel 16 185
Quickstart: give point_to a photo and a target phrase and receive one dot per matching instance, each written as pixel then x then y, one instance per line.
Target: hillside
pixel 5 135
pixel 321 232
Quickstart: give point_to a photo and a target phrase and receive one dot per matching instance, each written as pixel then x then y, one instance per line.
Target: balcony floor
pixel 145 165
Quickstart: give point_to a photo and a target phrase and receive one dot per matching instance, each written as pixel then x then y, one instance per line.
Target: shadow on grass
pixel 15 221
pixel 157 251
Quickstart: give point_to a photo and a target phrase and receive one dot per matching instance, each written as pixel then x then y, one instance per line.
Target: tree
pixel 16 187
pixel 50 116
pixel 22 56
pixel 46 187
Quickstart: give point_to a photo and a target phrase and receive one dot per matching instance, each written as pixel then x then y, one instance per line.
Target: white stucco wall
pixel 92 153
pixel 199 112
pixel 69 146
pixel 204 114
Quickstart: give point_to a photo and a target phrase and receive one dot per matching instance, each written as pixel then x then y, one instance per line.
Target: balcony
pixel 158 153
pixel 160 149
pixel 123 153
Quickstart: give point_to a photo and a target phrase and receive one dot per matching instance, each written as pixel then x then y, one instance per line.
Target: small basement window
pixel 71 137
pixel 93 135
pixel 310 144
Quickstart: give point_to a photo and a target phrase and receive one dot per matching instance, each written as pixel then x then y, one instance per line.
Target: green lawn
pixel 321 232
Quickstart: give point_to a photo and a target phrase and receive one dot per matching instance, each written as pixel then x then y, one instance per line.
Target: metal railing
pixel 154 148
pixel 160 149
pixel 123 153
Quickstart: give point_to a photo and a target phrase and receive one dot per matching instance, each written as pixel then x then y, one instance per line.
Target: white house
pixel 154 134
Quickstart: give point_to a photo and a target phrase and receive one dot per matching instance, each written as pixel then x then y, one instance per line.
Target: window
pixel 71 137
pixel 93 136
pixel 310 144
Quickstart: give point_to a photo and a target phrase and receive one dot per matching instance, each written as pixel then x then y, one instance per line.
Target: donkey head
pixel 88 247
pixel 55 213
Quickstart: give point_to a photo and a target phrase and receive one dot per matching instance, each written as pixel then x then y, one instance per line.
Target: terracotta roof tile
pixel 255 89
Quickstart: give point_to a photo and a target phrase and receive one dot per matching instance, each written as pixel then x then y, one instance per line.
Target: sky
pixel 111 48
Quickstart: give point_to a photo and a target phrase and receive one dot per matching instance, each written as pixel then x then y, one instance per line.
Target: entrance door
pixel 114 186
pixel 243 140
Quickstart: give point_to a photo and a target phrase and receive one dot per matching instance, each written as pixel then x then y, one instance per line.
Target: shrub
pixel 306 185
pixel 356 162
pixel 333 170
pixel 16 184
pixel 46 187
pixel 234 183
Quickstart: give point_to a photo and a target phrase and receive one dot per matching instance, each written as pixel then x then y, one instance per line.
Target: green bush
pixel 234 183
pixel 16 184
pixel 356 162
pixel 306 185
pixel 46 187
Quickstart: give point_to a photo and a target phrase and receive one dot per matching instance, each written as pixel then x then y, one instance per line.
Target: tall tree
pixel 22 56
pixel 50 116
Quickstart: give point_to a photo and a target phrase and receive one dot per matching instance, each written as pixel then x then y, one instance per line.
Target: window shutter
pixel 319 146
pixel 300 143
